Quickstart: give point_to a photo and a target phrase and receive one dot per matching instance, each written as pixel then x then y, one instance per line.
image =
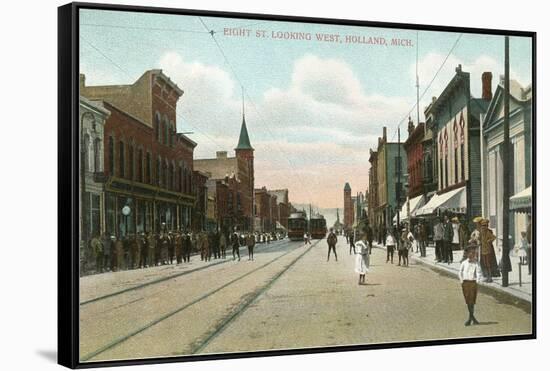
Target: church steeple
pixel 244 140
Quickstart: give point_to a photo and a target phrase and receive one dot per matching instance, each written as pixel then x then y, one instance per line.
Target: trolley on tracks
pixel 318 226
pixel 297 226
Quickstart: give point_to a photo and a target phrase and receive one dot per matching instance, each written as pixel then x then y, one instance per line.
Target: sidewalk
pixel 523 292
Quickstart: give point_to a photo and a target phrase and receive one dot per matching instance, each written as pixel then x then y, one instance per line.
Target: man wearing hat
pixel 469 275
pixel 488 259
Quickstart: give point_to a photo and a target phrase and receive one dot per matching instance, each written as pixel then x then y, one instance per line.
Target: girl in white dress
pixel 362 260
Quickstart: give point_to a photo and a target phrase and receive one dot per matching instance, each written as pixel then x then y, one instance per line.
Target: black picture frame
pixel 68 193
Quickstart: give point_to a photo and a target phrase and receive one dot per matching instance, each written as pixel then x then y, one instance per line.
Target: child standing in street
pixel 469 275
pixel 390 247
pixel 362 260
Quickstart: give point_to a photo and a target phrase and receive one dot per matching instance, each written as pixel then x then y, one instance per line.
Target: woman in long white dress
pixel 362 260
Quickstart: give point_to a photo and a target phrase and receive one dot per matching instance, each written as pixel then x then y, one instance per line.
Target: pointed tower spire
pixel 244 140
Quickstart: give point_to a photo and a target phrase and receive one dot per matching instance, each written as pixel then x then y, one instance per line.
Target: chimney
pixel 486 80
pixel 221 154
pixel 384 134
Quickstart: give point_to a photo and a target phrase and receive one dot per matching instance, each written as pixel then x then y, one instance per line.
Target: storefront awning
pixel 454 201
pixel 521 200
pixel 414 204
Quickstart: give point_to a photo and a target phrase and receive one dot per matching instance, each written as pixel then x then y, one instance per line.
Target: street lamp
pixel 126 211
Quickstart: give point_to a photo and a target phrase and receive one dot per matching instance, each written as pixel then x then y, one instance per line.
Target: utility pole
pixel 506 166
pixel 398 183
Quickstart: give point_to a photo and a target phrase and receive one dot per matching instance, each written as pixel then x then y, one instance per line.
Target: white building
pixel 91 124
pixel 520 140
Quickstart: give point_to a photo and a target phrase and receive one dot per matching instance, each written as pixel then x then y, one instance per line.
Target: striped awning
pixel 521 200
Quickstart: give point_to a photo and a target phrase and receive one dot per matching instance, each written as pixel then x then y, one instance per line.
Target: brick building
pixel 348 207
pixel 148 165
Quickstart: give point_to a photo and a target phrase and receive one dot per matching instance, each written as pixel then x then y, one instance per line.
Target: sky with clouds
pixel 313 108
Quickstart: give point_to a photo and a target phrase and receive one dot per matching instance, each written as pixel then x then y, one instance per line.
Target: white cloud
pixel 315 131
pixel 428 66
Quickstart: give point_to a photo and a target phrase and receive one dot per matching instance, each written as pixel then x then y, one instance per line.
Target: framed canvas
pixel 246 185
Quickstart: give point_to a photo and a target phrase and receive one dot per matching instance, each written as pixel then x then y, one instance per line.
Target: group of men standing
pixel 109 253
pixel 450 234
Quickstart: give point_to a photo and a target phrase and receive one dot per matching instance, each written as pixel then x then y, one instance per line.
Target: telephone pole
pixel 506 166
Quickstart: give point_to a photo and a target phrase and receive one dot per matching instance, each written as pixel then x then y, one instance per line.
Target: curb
pixel 524 298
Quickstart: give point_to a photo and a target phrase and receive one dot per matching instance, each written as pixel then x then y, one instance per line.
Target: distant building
pixel 520 158
pixel 373 188
pixel 348 207
pixel 391 164
pixel 242 167
pixel 338 226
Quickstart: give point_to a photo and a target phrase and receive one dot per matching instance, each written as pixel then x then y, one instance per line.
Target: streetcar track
pixel 154 322
pixel 156 281
pixel 250 298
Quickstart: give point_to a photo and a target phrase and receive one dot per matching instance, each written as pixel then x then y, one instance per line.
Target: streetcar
pixel 318 227
pixel 297 226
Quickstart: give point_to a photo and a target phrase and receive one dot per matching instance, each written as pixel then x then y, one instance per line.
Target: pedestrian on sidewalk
pixel 250 242
pixel 235 244
pixel 362 260
pixel 404 246
pixel 522 249
pixel 439 231
pixel 390 247
pixel 422 238
pixel 489 264
pixel 352 242
pixel 464 236
pixel 223 244
pixel 469 275
pixel 332 240
pixel 151 248
pixel 370 237
pixel 448 241
pixel 455 244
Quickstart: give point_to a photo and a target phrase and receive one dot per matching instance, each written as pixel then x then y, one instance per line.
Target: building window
pixel 131 160
pixel 157 127
pixel 164 171
pixel 86 152
pixel 462 163
pixel 159 172
pixel 140 166
pixel 97 155
pixel 111 156
pixel 121 159
pixel 166 130
pixel 456 164
pixel 148 169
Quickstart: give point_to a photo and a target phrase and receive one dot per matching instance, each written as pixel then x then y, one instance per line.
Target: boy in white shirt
pixel 469 275
pixel 390 247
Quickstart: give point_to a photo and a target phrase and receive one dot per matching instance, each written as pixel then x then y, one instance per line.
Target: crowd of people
pixel 106 252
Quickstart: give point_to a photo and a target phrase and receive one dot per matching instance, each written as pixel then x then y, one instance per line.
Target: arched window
pixel 86 152
pixel 159 172
pixel 97 155
pixel 121 159
pixel 148 169
pixel 132 162
pixel 111 155
pixel 172 176
pixel 157 126
pixel 164 171
pixel 140 166
pixel 166 130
